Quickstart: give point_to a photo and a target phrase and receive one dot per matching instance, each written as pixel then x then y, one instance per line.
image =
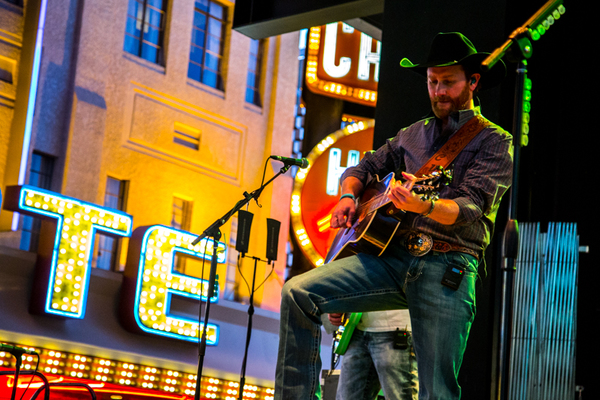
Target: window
pixel 106 248
pixel 208 34
pixel 232 277
pixel 253 78
pixel 40 175
pixel 144 32
pixel 187 136
pixel 7 68
pixel 181 218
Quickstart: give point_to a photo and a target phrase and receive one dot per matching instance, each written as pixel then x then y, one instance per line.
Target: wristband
pixel 349 195
pixel 431 209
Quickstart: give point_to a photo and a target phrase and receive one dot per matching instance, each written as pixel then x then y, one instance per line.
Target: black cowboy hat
pixel 453 48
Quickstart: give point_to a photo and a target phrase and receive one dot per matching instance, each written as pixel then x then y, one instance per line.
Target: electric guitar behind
pixel 344 334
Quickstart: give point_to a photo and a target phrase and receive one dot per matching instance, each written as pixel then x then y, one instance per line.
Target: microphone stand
pixel 214 232
pixel 17 353
pixel 17 370
pixel 248 330
pixel 510 248
pixel 518 49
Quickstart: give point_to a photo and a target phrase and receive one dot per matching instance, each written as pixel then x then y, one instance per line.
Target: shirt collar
pixel 459 118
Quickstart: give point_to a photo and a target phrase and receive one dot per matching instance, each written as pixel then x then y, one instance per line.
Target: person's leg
pixel 441 319
pixel 352 284
pixel 358 377
pixel 396 368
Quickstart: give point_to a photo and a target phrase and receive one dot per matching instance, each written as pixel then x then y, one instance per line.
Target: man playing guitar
pixel 430 265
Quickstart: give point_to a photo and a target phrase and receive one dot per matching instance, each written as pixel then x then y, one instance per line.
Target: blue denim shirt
pixel 482 173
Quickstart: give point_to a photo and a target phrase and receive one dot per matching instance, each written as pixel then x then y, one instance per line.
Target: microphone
pixel 299 162
pixel 15 350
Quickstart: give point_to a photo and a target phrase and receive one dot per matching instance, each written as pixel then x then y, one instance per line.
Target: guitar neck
pixel 382 199
pixel 374 203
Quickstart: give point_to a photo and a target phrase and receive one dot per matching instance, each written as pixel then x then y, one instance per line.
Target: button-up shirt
pixel 482 173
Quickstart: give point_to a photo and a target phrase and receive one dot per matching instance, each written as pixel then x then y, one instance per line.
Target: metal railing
pixel 544 324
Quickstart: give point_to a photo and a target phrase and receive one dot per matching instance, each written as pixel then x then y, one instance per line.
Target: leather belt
pixel 444 247
pixel 418 244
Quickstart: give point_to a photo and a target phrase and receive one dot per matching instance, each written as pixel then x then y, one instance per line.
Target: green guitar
pixel 345 333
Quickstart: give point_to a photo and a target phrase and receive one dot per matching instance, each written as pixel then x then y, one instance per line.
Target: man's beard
pixel 457 104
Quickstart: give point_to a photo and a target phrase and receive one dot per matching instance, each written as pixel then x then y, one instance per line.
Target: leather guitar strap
pixel 454 145
pixel 444 156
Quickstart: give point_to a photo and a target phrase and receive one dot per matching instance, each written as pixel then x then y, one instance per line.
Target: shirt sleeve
pixel 487 177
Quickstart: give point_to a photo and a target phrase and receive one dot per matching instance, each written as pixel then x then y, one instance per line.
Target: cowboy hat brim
pixel 453 48
pixel 489 79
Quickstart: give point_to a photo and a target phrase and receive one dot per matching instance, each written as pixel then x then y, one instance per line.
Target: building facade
pixel 158 110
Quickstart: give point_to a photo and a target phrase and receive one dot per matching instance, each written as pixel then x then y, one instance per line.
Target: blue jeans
pixel 441 318
pixel 371 362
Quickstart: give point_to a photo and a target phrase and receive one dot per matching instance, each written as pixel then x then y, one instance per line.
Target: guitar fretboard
pixel 382 199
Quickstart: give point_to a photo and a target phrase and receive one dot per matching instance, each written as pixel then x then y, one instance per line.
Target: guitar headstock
pixel 428 186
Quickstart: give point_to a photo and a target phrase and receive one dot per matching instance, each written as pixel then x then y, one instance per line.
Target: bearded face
pixel 449 90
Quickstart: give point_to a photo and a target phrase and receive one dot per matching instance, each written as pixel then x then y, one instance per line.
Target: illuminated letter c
pixel 329 50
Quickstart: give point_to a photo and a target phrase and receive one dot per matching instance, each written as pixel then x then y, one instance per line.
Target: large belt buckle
pixel 418 244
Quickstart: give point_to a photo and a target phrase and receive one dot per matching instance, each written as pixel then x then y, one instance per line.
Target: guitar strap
pixel 454 145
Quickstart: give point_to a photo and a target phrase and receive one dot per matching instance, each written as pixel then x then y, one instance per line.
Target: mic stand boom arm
pixel 214 232
pixel 247 197
pixel 532 29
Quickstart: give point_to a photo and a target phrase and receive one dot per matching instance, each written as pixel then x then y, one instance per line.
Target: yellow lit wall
pixel 103 112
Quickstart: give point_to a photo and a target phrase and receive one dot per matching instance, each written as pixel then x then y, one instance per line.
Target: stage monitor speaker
pixel 272 238
pixel 243 231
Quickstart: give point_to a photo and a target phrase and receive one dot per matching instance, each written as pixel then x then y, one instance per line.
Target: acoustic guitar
pixel 377 219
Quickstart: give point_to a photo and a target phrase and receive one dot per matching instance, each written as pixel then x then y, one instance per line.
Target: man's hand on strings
pixel 403 197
